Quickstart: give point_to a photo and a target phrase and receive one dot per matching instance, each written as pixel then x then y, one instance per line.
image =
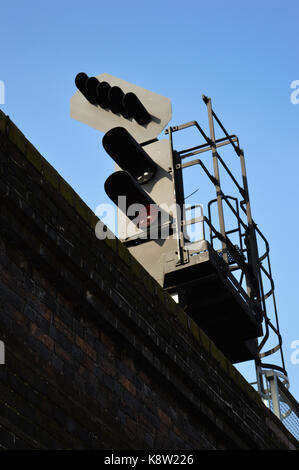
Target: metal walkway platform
pixel 214 299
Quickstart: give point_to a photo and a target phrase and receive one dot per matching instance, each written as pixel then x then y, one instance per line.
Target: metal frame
pixel 246 257
pixel 281 402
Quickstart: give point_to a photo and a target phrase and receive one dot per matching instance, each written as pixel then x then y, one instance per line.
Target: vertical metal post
pixel 259 380
pixel 245 186
pixel 252 249
pixel 274 391
pixel 177 189
pixel 217 177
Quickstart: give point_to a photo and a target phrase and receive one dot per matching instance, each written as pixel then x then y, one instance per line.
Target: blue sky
pixel 244 55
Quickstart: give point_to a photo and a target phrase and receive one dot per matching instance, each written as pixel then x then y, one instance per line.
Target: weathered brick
pixel 3 121
pixel 66 356
pixel 165 419
pixel 128 385
pixel 34 157
pixel 16 136
pixel 86 348
pixel 61 326
pixel 51 175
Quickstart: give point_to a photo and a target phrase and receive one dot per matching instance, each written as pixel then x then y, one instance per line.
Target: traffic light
pixel 143 188
pixel 80 81
pixel 136 108
pixel 129 155
pixel 105 102
pixel 143 184
pixel 138 206
pixel 103 89
pixel 112 97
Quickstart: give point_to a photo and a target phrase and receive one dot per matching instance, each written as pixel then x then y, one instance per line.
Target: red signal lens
pixel 147 216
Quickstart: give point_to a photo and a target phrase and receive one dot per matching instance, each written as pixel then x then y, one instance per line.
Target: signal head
pixel 121 183
pixel 129 155
pixel 134 106
pixel 142 112
pixel 116 96
pixel 91 89
pixel 103 89
pixel 80 82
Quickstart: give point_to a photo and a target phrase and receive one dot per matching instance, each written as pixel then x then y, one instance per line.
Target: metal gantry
pixel 246 264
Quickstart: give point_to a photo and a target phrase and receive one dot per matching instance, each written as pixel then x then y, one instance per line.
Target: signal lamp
pixel 91 89
pixel 80 82
pixel 116 96
pixel 103 89
pixel 129 155
pixel 121 183
pixel 113 98
pixel 136 108
pixel 147 216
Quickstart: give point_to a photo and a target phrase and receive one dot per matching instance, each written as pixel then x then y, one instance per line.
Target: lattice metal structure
pixel 243 254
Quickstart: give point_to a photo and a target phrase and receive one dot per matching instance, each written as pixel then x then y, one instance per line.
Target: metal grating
pixel 282 403
pixel 289 410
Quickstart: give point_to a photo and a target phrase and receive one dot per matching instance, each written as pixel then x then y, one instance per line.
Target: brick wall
pixel 97 356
